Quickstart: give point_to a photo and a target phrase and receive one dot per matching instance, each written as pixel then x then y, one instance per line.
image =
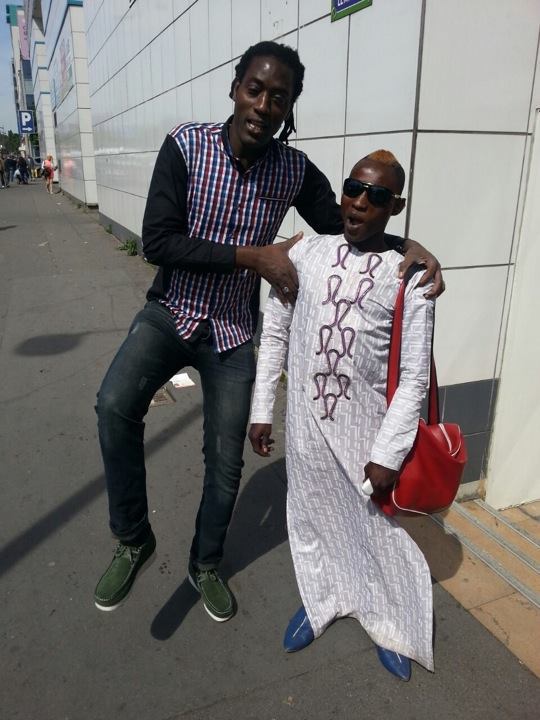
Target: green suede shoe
pixel 117 580
pixel 217 599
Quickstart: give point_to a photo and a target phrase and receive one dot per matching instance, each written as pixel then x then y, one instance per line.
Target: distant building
pixel 60 76
pixel 40 78
pixel 21 68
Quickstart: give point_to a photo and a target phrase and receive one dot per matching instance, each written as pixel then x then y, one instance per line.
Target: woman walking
pixel 48 173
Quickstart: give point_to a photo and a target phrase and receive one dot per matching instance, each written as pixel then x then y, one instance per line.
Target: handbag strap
pixel 394 359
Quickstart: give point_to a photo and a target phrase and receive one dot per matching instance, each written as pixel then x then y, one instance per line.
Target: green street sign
pixel 342 8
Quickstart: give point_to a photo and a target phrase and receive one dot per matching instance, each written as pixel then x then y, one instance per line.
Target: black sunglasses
pixel 377 195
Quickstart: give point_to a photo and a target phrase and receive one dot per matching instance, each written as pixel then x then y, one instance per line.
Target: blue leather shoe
pixel 299 633
pixel 398 665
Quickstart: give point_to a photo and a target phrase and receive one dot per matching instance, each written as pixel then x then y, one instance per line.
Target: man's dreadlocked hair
pixel 287 56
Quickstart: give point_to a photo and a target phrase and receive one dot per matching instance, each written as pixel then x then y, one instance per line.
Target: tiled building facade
pixel 450 88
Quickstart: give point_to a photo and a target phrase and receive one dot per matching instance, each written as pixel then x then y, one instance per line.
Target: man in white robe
pixel 350 559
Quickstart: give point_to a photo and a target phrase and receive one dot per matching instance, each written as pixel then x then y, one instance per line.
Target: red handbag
pixel 431 473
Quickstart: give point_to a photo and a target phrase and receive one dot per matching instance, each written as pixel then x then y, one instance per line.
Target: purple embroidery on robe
pixel 373 263
pixel 347 345
pixel 332 293
pixel 324 330
pixel 342 335
pixel 344 382
pixel 330 402
pixel 361 294
pixel 343 308
pixel 342 252
pixel 322 377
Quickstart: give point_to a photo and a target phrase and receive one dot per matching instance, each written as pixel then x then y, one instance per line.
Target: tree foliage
pixel 10 141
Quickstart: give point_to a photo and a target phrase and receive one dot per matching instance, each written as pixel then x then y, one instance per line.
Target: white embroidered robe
pixel 350 559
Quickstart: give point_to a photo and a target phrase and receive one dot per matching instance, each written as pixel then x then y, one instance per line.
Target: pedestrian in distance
pixel 350 558
pixel 3 179
pixel 11 166
pixel 22 167
pixel 31 164
pixel 48 169
pixel 218 195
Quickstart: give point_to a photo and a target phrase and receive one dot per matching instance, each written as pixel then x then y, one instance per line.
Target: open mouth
pixel 256 128
pixel 354 222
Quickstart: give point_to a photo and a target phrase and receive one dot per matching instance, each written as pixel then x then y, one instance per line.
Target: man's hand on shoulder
pixel 416 254
pixel 273 264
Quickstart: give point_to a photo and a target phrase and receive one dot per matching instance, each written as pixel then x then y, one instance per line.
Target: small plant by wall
pixel 129 246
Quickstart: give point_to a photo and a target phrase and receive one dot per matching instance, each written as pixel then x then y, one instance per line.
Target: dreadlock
pixel 288 57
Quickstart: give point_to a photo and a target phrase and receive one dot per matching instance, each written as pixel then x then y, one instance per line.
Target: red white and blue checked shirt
pixel 202 204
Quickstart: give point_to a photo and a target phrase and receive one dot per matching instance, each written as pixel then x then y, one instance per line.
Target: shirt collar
pixel 228 149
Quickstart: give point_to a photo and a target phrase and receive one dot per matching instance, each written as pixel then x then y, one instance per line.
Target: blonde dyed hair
pixel 385 157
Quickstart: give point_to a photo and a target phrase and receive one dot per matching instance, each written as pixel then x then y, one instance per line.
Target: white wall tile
pixel 168 59
pixel 77 19
pixel 85 120
pixel 383 59
pixel 219 32
pixel 79 45
pixel 87 144
pixel 321 107
pixel 200 48
pixel 312 10
pixel 83 96
pixel 504 319
pixel 91 192
pixel 246 25
pixel 398 143
pixel 180 6
pixel 184 111
pixel 327 155
pixel 165 117
pixel 535 100
pixel 146 85
pixel 153 18
pixel 278 17
pixel 478 64
pixel 221 106
pixel 523 189
pixel 200 94
pixel 286 229
pixel 89 168
pixel 182 53
pixel 467 325
pixel 81 70
pixel 156 64
pixel 465 196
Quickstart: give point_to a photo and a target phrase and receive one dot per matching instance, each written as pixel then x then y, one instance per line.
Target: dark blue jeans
pixel 151 354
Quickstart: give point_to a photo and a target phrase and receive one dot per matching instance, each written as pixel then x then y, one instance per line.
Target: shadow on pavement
pixel 25 542
pixel 56 344
pixel 258 526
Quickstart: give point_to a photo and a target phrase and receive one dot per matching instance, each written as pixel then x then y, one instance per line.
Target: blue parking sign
pixel 26 121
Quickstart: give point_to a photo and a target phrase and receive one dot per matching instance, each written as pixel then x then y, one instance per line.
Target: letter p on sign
pixel 26 121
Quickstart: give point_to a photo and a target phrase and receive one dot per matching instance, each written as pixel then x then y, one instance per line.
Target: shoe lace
pixel 208 575
pixel 130 550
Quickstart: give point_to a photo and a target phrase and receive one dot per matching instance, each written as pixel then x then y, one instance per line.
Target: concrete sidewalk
pixel 67 297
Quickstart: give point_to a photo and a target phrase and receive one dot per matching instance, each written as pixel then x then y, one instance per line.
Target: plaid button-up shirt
pixel 202 205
